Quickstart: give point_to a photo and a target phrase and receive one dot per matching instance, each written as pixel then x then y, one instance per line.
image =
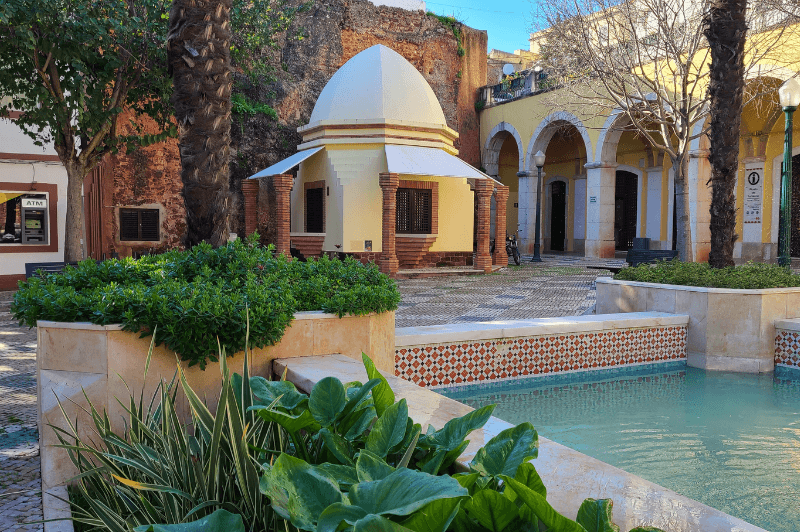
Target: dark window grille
pixel 414 208
pixel 139 224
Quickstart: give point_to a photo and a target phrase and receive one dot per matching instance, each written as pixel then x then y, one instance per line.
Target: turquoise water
pixel 731 441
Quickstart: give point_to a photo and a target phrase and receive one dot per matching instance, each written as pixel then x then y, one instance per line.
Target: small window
pixel 414 208
pixel 139 224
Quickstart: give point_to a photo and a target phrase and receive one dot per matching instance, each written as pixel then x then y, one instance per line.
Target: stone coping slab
pixel 788 325
pixel 703 289
pixel 570 476
pixel 54 506
pixel 458 332
pixel 86 326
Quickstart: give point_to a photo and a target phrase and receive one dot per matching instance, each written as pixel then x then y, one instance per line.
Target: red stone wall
pixel 150 176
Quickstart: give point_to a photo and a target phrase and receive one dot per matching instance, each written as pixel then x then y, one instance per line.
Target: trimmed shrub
pixel 750 275
pixel 192 298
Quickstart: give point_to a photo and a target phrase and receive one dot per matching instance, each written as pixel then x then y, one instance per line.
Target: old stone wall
pixel 332 32
pixel 149 177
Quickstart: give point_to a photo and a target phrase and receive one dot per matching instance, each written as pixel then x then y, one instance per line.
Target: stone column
pixel 283 197
pixel 600 185
pixel 250 193
pixel 652 198
pixel 526 212
pixel 483 191
pixel 700 205
pixel 388 262
pixel 500 256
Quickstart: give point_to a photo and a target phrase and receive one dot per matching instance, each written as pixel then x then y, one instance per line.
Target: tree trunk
pixel 684 233
pixel 726 30
pixel 73 229
pixel 198 45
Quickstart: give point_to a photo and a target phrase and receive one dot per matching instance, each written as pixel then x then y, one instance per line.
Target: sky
pixel 507 22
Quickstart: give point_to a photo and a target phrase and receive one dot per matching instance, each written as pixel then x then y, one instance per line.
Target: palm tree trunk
pixel 198 45
pixel 726 30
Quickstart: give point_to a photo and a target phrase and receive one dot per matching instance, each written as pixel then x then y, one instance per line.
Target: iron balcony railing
pixel 521 84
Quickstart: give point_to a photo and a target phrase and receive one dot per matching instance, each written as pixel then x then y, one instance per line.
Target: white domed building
pixel 378 174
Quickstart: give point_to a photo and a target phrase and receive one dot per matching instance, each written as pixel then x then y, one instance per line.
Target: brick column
pixel 250 193
pixel 283 188
pixel 500 256
pixel 483 191
pixel 388 262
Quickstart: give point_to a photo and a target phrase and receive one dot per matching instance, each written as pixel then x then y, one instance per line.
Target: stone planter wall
pixel 100 360
pixel 729 330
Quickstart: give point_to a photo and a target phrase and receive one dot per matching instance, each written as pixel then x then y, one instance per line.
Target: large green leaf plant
pixel 347 457
pixel 358 462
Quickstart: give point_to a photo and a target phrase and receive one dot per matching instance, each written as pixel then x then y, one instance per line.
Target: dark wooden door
pixel 625 206
pixel 794 248
pixel 558 215
pixel 315 210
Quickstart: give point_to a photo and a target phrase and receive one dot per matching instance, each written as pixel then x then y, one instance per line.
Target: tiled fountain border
pixel 787 343
pixel 459 354
pixel 570 476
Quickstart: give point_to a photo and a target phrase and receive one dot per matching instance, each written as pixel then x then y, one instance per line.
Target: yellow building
pixel 604 186
pixel 378 175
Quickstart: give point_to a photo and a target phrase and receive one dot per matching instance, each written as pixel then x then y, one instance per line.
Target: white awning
pixel 287 164
pixel 415 160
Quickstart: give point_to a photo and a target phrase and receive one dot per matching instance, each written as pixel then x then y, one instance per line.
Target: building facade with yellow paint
pixel 602 186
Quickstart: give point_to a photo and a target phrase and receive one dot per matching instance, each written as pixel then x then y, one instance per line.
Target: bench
pixel 48 267
pixel 649 256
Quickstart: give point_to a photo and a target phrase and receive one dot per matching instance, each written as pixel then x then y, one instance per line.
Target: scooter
pixel 511 248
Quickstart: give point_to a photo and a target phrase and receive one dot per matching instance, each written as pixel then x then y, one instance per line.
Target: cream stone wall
pixel 104 362
pixel 729 330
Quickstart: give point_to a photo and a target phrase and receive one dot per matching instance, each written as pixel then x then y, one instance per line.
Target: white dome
pixel 375 85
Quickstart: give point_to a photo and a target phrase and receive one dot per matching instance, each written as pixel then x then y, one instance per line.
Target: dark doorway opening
pixel 315 210
pixel 558 215
pixel 625 206
pixel 794 248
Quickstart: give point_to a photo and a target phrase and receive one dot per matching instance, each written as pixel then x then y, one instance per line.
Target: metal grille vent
pixel 139 224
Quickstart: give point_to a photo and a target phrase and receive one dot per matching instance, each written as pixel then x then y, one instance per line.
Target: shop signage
pixel 34 203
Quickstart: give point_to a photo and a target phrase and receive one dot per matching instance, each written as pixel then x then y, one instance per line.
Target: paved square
pixel 558 286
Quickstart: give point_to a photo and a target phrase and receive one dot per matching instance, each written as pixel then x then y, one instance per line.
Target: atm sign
pixel 33 203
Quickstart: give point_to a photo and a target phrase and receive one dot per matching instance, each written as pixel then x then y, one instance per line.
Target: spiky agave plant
pixel 163 471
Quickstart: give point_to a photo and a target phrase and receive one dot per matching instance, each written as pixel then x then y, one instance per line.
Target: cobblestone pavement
pixel 557 286
pixel 20 483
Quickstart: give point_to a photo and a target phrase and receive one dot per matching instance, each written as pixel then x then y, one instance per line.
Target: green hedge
pixel 191 298
pixel 750 275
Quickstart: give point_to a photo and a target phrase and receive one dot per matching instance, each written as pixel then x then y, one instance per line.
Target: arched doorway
pixel 794 248
pixel 558 215
pixel 625 209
